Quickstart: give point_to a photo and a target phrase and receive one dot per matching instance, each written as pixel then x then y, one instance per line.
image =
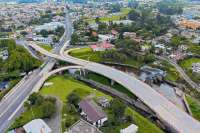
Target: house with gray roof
pixel 92 112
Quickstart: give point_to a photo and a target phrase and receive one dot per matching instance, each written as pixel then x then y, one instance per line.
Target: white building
pixel 103 38
pixel 4 54
pixel 45 40
pixel 37 126
pixel 130 129
pixel 48 26
pixel 124 22
pixel 196 67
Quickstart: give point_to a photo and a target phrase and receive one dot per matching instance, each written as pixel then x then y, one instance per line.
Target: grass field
pixel 123 13
pixel 187 63
pixel 64 85
pixel 144 126
pixel 195 49
pixel 45 46
pixel 172 73
pixel 194 107
pixel 88 54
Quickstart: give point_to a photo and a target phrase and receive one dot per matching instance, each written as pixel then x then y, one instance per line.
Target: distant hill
pixel 29 1
pixel 22 1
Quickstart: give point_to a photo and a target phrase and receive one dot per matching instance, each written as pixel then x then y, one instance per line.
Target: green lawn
pixel 144 125
pixel 187 63
pixel 88 54
pixel 45 46
pixel 123 13
pixel 194 107
pixel 194 48
pixel 64 85
pixel 172 73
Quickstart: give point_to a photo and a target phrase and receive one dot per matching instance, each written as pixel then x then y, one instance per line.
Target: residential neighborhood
pixel 99 66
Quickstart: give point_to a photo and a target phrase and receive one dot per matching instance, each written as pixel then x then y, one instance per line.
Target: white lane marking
pixel 16 111
pixel 12 103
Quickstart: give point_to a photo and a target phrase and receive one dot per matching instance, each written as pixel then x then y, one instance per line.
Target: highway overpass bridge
pixel 173 117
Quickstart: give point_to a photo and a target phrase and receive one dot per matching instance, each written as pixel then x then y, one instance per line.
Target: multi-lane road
pixel 13 102
pixel 176 119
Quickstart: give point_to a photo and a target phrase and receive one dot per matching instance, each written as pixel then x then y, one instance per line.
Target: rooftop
pixel 83 127
pixel 92 110
pixel 37 126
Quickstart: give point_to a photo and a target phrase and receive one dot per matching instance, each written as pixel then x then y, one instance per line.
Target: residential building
pixel 149 74
pixel 37 126
pixel 177 55
pixel 92 112
pixel 45 40
pixel 196 67
pixel 34 126
pixel 102 46
pixel 83 126
pixel 133 36
pixel 124 22
pixel 48 26
pixel 4 54
pixel 130 129
pixel 103 38
pixel 4 85
pixel 103 102
pixel 191 24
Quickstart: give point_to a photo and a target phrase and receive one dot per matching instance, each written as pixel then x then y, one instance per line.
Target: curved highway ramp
pixel 176 120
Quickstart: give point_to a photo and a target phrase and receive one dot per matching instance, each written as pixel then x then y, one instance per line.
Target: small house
pixel 3 85
pixel 92 112
pixel 103 102
pixel 102 46
pixel 130 129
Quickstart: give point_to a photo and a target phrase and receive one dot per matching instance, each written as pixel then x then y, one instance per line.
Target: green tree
pixel 118 108
pixel 59 31
pixel 134 15
pixel 97 20
pixel 24 33
pixel 74 39
pixel 48 109
pixel 74 99
pixel 36 99
pixel 44 33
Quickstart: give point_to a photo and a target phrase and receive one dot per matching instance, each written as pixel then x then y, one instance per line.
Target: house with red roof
pixel 92 112
pixel 102 46
pixel 114 32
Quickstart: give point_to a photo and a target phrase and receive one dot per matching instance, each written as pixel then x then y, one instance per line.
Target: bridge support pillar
pixel 112 82
pixel 82 72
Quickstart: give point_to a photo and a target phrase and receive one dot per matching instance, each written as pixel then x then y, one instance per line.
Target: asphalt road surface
pixel 176 119
pixel 13 102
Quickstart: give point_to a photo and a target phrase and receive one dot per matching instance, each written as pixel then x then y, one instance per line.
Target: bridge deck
pixel 174 117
